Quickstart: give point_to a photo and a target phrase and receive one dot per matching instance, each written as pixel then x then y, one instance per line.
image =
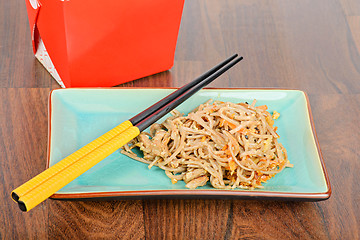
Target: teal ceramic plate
pixel 78 116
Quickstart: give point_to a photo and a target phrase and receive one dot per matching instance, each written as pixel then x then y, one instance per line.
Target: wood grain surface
pixel 309 45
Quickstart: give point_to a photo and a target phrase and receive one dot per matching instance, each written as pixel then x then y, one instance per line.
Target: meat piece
pixel 154 128
pixel 197 182
pixel 145 142
pixel 156 146
pixel 194 174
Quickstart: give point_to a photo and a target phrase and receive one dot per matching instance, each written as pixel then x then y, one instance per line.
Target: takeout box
pixel 104 43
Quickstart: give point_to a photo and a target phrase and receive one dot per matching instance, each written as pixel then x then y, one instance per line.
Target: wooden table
pixel 309 45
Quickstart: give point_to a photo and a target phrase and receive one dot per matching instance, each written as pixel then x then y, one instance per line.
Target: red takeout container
pixel 104 43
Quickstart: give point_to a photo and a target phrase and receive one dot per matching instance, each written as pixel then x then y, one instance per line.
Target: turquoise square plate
pixel 77 116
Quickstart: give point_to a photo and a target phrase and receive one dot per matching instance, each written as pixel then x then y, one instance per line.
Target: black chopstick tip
pixel 14 196
pixel 239 58
pixel 22 206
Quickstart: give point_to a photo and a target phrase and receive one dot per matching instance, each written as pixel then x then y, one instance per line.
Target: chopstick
pixel 146 122
pixel 147 112
pixel 71 159
pixel 51 180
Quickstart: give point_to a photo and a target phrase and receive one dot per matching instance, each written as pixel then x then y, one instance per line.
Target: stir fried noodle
pixel 232 145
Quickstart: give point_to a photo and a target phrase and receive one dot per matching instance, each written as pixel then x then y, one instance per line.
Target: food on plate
pixel 232 145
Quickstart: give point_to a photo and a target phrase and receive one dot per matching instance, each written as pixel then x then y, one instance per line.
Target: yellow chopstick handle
pixel 71 159
pixel 62 178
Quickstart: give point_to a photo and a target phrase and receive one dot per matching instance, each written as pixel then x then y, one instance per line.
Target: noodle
pixel 231 145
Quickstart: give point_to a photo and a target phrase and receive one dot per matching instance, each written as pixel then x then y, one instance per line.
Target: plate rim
pixel 318 196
